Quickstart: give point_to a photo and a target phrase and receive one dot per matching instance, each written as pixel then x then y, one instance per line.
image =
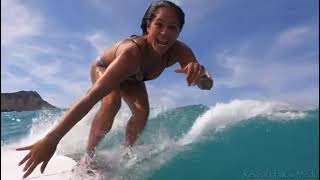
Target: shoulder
pixel 127 56
pixel 182 53
pixel 180 46
pixel 140 40
pixel 129 49
pixel 124 47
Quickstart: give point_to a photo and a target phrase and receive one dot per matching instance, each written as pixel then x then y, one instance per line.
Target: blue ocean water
pixel 243 139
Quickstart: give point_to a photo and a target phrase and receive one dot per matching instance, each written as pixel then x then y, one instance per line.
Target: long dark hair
pixel 149 14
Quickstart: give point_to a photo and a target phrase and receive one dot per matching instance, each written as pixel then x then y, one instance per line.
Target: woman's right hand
pixel 40 152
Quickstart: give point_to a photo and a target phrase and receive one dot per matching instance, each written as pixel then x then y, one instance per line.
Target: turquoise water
pixel 236 140
pixel 258 146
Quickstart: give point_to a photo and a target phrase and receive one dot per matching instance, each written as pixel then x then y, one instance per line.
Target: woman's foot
pixel 128 157
pixel 86 164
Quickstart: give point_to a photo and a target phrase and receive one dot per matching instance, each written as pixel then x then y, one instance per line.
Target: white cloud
pixel 37 68
pixel 18 21
pixel 100 41
pixel 172 95
pixel 11 82
pixel 272 71
pixel 70 91
pixel 39 73
pixel 275 75
pixel 275 72
pixel 71 78
pixel 306 98
pixel 295 36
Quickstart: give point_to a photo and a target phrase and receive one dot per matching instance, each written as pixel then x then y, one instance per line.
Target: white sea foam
pixel 76 139
pixel 224 114
pixel 218 117
pixel 79 134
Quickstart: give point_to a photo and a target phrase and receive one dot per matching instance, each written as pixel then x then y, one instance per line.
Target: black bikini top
pixel 141 75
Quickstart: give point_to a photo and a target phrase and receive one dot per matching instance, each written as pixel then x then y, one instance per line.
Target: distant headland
pixel 23 101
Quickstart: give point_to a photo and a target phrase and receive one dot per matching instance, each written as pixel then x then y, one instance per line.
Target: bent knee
pixel 112 102
pixel 141 112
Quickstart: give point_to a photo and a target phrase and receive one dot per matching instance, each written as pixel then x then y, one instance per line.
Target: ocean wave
pixel 223 115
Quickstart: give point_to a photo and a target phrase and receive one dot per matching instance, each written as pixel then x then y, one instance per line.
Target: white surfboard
pixel 111 164
pixel 58 168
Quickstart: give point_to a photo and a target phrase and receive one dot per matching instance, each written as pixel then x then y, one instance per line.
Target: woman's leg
pixel 103 119
pixel 136 96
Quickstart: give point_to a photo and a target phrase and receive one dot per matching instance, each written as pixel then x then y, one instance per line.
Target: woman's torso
pixel 151 64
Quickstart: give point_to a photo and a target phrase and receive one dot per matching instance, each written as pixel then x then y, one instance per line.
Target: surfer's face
pixel 163 30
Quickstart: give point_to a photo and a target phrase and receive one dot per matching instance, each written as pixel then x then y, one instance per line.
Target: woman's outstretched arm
pixel 125 64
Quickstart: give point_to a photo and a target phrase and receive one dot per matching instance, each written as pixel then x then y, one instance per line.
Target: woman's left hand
pixel 40 152
pixel 193 71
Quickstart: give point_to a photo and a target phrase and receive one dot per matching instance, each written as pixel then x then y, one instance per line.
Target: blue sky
pixel 265 50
